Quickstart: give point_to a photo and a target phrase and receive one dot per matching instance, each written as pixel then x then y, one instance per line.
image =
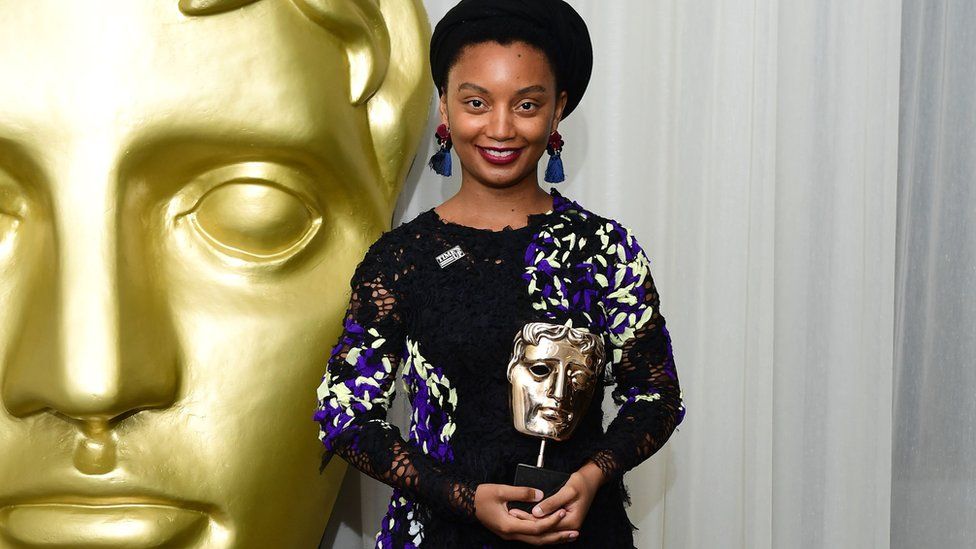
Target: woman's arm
pixel 642 364
pixel 358 388
pixel 646 381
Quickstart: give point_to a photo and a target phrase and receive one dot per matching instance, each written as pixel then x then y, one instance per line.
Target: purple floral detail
pixel 570 272
pixel 400 528
pixel 343 402
pixel 434 401
pixel 601 276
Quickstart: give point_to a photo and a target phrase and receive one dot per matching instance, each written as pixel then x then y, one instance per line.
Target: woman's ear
pixel 442 107
pixel 557 115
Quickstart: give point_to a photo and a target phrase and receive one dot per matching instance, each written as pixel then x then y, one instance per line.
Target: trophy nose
pixel 558 387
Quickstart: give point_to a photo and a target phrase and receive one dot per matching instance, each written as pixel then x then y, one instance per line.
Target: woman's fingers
pixel 565 495
pixel 535 526
pixel 518 493
pixel 550 538
pixel 520 514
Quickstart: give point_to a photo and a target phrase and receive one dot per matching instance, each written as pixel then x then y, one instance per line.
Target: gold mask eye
pixel 8 225
pixel 254 220
pixel 11 216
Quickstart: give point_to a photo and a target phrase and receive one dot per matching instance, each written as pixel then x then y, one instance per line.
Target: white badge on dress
pixel 450 256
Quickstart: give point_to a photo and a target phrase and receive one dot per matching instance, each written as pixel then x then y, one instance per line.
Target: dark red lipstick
pixel 498 155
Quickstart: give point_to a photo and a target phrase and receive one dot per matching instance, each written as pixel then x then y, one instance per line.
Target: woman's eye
pixel 540 369
pixel 527 106
pixel 254 220
pixel 476 103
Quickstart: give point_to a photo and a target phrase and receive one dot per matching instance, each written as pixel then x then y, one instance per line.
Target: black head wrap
pixel 550 25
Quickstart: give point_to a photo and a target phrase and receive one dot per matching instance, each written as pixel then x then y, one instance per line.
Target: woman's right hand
pixel 491 509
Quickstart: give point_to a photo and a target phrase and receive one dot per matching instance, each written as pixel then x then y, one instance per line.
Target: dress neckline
pixel 533 220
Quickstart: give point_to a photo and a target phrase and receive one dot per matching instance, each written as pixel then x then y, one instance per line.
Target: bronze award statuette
pixel 553 372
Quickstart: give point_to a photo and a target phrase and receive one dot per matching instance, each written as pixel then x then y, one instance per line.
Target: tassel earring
pixel 554 170
pixel 440 162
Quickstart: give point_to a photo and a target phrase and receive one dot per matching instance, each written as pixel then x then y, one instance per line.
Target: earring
pixel 440 162
pixel 554 170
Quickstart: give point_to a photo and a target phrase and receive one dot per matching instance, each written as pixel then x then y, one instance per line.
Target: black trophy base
pixel 547 480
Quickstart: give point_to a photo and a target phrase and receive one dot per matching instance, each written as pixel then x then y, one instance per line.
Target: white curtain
pixel 752 146
pixel 934 477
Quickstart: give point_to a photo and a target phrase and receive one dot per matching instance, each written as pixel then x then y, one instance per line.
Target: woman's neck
pixel 485 207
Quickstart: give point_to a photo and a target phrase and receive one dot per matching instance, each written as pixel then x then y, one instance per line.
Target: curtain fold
pixel 934 473
pixel 752 148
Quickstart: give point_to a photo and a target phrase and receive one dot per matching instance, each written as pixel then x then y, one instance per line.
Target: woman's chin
pixel 498 177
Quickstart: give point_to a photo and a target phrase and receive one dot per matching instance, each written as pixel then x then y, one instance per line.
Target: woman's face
pixel 501 104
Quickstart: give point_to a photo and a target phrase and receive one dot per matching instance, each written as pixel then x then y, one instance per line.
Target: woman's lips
pixel 500 156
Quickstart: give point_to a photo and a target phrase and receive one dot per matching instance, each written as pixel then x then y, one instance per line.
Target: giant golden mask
pixel 185 189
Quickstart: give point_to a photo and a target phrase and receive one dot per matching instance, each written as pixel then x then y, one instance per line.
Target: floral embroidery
pixel 342 400
pixel 434 401
pixel 391 534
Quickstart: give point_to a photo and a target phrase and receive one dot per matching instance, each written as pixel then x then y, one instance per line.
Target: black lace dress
pixel 438 304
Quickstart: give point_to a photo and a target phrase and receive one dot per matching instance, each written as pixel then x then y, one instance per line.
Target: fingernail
pixel 537 511
pixel 562 513
pixel 538 495
pixel 572 535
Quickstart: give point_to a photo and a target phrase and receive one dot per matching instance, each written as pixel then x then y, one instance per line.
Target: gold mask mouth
pixel 101 522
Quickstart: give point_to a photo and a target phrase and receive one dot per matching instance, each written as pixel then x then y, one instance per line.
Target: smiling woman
pixel 501 107
pixel 448 292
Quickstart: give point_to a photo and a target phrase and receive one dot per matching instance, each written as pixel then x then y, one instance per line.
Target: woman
pixel 445 293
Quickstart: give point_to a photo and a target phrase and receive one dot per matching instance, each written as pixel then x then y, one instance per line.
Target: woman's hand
pixel 573 499
pixel 491 509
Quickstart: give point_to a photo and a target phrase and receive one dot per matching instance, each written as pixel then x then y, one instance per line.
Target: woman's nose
pixel 501 126
pixel 92 338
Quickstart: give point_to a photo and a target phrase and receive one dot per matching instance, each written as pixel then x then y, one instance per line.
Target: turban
pixel 570 51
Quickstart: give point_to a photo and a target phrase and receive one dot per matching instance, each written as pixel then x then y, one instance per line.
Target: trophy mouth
pixel 559 417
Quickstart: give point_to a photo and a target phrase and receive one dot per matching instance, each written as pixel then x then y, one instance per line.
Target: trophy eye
pixel 540 369
pixel 581 380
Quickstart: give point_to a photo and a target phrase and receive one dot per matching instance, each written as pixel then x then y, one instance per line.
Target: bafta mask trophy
pixel 185 189
pixel 553 373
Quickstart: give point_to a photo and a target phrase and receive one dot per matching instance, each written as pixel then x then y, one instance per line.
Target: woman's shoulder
pixel 585 222
pixel 395 247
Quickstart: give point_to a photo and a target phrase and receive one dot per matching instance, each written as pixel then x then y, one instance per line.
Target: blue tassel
pixel 441 162
pixel 554 170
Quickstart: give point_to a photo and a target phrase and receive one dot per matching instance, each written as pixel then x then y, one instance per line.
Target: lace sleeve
pixel 358 388
pixel 642 365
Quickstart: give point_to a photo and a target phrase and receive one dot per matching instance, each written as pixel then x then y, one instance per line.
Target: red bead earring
pixel 554 170
pixel 440 162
